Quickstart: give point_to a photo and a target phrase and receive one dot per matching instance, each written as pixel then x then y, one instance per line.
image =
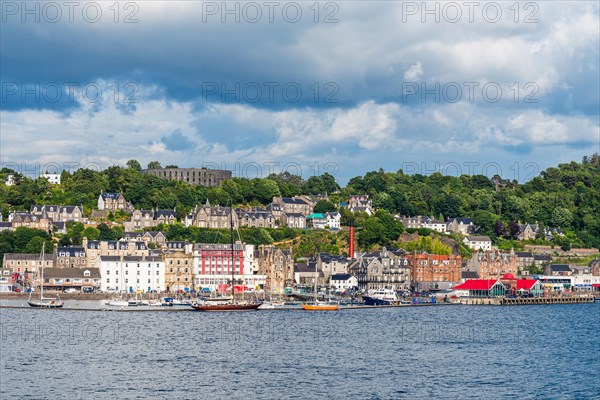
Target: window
pixel 86 273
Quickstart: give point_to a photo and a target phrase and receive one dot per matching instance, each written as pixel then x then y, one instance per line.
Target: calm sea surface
pixel 454 352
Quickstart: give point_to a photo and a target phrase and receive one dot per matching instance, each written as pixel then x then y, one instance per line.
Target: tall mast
pixel 232 251
pixel 42 281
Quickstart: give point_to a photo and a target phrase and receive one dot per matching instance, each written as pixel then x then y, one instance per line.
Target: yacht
pixel 381 297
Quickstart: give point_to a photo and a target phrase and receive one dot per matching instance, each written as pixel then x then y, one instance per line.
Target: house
pixel 333 220
pixel 524 259
pixel 332 264
pixel 277 265
pixel 256 218
pixel 360 203
pixel 24 264
pixel 58 213
pixel 212 217
pixel 70 257
pixel 10 180
pixel 19 219
pixel 304 273
pixel 179 269
pixel 316 221
pixel 212 267
pixel 434 271
pixel 113 202
pixel 140 220
pixel 6 280
pixel 478 242
pixel 165 217
pixel 132 274
pixel 464 226
pixel 296 205
pixel 156 237
pixel 6 226
pixel 491 264
pixel 558 270
pixel 133 236
pixel 71 278
pixel 293 220
pixel 53 179
pixel 425 221
pixel 343 282
pixel 385 269
pixel 541 260
pixel 125 247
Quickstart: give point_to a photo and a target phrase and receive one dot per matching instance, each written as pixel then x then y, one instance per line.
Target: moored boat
pixel 381 297
pixel 44 302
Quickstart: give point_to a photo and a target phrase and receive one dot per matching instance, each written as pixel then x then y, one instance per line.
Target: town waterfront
pixel 412 352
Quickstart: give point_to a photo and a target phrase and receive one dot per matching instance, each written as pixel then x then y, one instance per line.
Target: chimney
pixel 351 252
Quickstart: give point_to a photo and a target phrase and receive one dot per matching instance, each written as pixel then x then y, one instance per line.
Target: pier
pixel 509 301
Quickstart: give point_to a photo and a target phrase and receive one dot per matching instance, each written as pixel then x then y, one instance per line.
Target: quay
pixel 508 301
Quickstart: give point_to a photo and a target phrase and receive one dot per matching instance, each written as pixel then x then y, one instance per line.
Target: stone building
pixel 192 176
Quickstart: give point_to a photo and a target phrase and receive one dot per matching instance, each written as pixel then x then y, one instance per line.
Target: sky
pixel 343 87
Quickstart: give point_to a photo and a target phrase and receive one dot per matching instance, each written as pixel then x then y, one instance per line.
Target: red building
pixel 434 271
pixel 215 259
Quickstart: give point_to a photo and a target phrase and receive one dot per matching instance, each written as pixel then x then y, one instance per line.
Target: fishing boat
pixel 227 303
pixel 44 302
pixel 320 305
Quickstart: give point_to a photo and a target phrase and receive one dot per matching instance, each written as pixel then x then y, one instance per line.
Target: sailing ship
pixel 320 305
pixel 226 303
pixel 44 302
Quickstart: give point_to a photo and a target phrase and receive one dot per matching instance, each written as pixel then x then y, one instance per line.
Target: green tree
pixel 154 165
pixel 134 164
pixel 324 206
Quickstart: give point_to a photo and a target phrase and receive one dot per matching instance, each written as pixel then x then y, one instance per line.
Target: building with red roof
pixel 496 287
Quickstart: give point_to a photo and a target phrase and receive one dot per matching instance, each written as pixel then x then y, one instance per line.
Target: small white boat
pixel 44 302
pixel 117 303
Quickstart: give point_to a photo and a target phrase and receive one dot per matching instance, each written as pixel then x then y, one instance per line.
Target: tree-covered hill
pixel 565 197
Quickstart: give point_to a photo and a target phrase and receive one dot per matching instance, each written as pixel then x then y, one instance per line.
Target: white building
pixel 333 219
pixel 132 274
pixel 53 179
pixel 478 242
pixel 343 282
pixel 10 180
pixel 435 225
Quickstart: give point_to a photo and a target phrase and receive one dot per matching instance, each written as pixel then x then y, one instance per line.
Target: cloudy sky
pixel 344 87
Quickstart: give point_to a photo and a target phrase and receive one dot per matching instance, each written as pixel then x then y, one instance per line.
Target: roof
pixel 526 284
pixel 340 277
pixel 71 272
pixel 469 275
pixel 72 251
pixel 543 257
pixel 479 239
pixel 315 216
pixel 560 267
pixel 523 254
pixel 108 195
pixel 477 284
pixel 304 267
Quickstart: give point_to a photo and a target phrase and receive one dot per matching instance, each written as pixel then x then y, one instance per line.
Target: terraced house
pixel 113 202
pixel 385 269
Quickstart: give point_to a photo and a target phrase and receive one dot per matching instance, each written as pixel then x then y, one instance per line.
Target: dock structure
pixel 509 301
